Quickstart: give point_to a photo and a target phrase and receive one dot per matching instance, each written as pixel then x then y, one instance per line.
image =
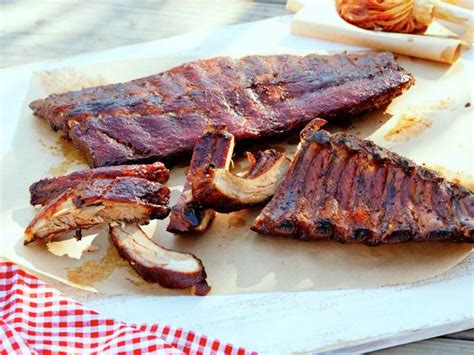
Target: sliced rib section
pixel 100 201
pixel 344 188
pixel 214 148
pixel 41 192
pixel 154 263
pixel 225 192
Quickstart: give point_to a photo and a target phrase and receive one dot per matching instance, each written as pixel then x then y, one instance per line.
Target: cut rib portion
pixel 155 263
pixel 226 192
pixel 160 117
pixel 340 187
pixel 41 192
pixel 214 148
pixel 100 201
pixel 210 187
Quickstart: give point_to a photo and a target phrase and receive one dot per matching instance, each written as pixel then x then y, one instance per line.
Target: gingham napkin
pixel 35 318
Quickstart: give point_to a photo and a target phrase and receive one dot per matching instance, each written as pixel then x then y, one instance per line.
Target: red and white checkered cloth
pixel 35 318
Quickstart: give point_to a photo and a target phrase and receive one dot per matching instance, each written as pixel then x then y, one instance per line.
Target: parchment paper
pixel 430 124
pixel 321 20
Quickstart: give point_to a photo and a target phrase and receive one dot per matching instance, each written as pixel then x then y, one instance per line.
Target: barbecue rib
pixel 210 187
pixel 41 192
pixel 340 187
pixel 160 117
pixel 225 192
pixel 154 263
pixel 214 147
pixel 100 201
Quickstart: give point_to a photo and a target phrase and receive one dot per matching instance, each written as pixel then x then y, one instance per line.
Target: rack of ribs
pixel 344 188
pixel 100 201
pixel 47 189
pixel 160 117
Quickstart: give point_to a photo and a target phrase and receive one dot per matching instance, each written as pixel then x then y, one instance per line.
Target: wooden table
pixel 36 30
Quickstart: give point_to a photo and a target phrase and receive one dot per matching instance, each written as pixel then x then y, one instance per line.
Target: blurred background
pixel 34 30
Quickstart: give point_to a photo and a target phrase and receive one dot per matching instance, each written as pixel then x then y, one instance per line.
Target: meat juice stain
pixel 59 81
pixel 236 222
pixel 459 177
pixel 408 127
pixel 417 120
pixel 66 150
pixel 93 271
pixel 444 103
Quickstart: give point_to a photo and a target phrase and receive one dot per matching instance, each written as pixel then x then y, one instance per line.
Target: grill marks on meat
pixel 162 116
pixel 100 201
pixel 47 189
pixel 340 187
pixel 155 263
pixel 214 148
pixel 123 194
pixel 226 192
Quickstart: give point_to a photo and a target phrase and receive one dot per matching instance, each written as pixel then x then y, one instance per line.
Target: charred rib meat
pixel 210 187
pixel 226 192
pixel 100 201
pixel 155 263
pixel 162 116
pixel 340 187
pixel 41 192
pixel 214 148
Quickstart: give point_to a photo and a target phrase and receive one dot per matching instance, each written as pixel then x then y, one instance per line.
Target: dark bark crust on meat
pixel 197 204
pixel 130 241
pixel 162 116
pixel 100 201
pixel 131 190
pixel 214 148
pixel 343 188
pixel 47 189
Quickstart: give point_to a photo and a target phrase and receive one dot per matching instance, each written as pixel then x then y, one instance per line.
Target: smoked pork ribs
pixel 100 201
pixel 210 187
pixel 154 263
pixel 47 189
pixel 225 192
pixel 160 117
pixel 214 148
pixel 344 188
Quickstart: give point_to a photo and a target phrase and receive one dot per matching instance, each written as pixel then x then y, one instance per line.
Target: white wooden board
pixel 353 320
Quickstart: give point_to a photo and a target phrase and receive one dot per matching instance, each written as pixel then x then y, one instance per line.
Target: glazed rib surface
pixel 100 201
pixel 161 116
pixel 47 189
pixel 154 263
pixel 214 148
pixel 344 188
